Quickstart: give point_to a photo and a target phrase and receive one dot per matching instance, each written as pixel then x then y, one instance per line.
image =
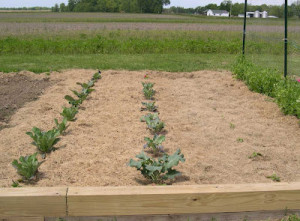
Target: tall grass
pixel 286 91
pixel 135 42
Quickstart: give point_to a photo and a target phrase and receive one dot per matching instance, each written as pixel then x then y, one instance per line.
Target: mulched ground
pixel 214 119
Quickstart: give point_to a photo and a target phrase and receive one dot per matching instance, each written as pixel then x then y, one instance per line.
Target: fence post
pixel 286 38
pixel 244 33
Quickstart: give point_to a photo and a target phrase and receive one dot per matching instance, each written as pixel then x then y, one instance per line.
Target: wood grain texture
pixel 33 202
pixel 22 218
pixel 249 216
pixel 118 201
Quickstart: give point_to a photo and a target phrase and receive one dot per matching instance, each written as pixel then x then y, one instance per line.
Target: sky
pixel 182 3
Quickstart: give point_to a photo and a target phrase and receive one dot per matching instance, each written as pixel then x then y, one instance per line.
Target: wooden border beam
pixel 33 202
pixel 159 200
pixel 147 200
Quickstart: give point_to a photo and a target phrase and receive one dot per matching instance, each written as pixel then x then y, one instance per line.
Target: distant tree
pixel 277 10
pixel 237 9
pixel 71 5
pixel 296 8
pixel 62 7
pixel 226 5
pixel 55 8
pixel 212 6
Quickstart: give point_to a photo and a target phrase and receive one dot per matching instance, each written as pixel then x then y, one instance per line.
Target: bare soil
pixel 16 90
pixel 9 28
pixel 214 119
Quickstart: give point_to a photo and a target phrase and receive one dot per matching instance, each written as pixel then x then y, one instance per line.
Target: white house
pixel 220 13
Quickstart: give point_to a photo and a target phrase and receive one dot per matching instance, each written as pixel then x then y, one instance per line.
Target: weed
pixel 44 141
pixel 240 140
pixel 69 113
pixel 267 81
pixel 232 126
pixel 149 106
pixel 155 143
pixel 158 170
pixel 291 218
pixel 255 154
pixel 15 184
pixel 274 177
pixel 28 166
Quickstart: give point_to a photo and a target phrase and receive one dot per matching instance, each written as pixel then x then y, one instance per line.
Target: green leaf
pixel 142 156
pixel 154 168
pixel 136 164
pixel 171 174
pixel 147 139
pixel 69 98
pixel 174 159
pixel 160 139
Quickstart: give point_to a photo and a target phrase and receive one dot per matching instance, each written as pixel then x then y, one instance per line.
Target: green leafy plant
pixel 255 154
pixel 147 86
pixel 97 76
pixel 293 217
pixel 69 113
pixel 149 106
pixel 149 93
pixel 285 91
pixel 81 96
pixel 155 143
pixel 274 177
pixel 88 85
pixel 149 116
pixel 27 167
pixel 158 170
pixel 61 127
pixel 287 96
pixel 72 101
pixel 232 126
pixel 86 90
pixel 155 124
pixel 44 141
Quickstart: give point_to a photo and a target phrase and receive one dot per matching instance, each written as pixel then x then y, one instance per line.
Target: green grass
pixel 163 62
pixel 44 49
pixel 138 42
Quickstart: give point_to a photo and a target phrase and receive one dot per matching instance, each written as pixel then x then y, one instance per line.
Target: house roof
pixel 219 11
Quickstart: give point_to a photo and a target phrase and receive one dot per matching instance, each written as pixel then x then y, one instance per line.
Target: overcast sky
pixel 182 3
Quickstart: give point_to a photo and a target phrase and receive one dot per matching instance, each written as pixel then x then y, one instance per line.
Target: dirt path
pixel 215 120
pixel 16 90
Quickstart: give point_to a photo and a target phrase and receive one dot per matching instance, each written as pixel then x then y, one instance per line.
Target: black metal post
pixel 286 39
pixel 244 33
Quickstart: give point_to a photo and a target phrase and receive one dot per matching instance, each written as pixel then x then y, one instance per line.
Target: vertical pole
pixel 286 38
pixel 244 33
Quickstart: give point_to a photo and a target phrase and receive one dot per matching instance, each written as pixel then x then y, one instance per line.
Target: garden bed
pixel 215 120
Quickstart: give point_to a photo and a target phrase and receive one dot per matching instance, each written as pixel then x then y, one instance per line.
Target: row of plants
pixel 45 141
pixel 285 91
pixel 159 168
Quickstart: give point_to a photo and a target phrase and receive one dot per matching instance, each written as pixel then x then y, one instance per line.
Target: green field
pixel 42 42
